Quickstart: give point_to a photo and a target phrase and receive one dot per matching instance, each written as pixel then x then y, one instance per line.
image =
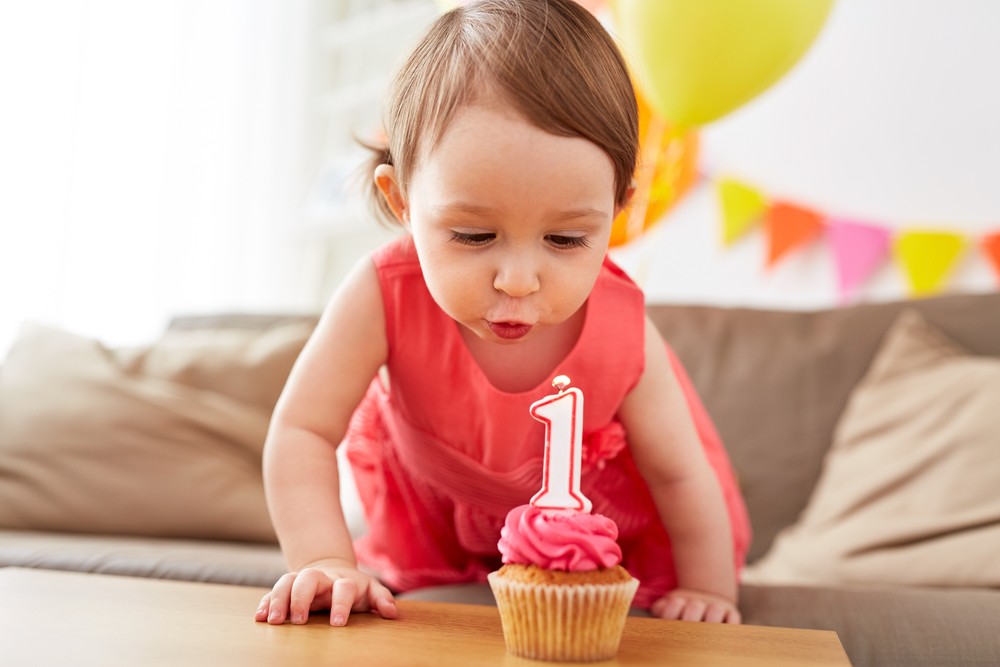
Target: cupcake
pixel 562 592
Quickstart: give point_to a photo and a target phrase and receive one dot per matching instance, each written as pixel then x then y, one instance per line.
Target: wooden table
pixel 62 618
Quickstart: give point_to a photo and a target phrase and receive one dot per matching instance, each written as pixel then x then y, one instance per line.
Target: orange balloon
pixel 668 166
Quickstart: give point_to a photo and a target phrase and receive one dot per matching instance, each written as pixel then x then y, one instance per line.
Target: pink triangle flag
pixel 859 249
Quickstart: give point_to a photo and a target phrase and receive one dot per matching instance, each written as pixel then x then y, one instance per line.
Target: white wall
pixel 152 159
pixel 892 117
pixel 163 157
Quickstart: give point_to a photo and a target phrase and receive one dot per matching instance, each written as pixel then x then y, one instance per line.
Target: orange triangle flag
pixel 991 246
pixel 788 227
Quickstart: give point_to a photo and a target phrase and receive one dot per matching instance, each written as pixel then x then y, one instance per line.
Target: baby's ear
pixel 629 193
pixel 385 180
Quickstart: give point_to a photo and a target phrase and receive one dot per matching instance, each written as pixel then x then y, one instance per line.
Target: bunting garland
pixel 926 256
pixel 991 246
pixel 742 207
pixel 860 249
pixel 788 227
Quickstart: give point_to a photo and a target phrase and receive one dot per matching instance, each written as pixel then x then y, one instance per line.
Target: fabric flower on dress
pixel 602 445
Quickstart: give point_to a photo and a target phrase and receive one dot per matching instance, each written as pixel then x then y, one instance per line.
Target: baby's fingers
pixel 309 591
pixel 732 616
pixel 265 604
pixel 380 599
pixel 345 592
pixel 277 608
pixel 716 613
pixel 668 607
pixel 688 606
pixel 694 610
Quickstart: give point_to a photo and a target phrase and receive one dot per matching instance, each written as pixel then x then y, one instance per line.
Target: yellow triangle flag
pixel 927 258
pixel 742 208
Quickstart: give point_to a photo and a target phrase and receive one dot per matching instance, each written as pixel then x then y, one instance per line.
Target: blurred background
pixel 170 157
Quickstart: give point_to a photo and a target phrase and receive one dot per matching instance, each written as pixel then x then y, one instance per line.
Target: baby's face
pixel 511 223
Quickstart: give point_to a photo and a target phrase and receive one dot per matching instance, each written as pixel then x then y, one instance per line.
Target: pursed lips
pixel 509 330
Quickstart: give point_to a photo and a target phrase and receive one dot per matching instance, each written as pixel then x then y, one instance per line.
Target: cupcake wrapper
pixel 562 623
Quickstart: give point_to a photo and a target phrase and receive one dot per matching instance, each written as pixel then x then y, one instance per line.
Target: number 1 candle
pixel 562 414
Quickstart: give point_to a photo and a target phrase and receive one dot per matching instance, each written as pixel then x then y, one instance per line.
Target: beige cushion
pixel 250 366
pixel 909 489
pixel 162 441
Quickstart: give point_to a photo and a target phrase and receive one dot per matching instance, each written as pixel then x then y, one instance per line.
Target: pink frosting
pixel 559 540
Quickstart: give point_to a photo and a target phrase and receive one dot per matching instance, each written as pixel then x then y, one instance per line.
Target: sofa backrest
pixel 776 382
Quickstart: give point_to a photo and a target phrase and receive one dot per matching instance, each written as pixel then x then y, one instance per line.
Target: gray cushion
pixel 888 627
pixel 240 563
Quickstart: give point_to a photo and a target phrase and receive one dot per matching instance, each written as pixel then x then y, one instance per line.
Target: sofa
pixel 866 440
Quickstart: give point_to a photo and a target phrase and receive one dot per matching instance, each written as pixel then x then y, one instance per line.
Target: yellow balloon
pixel 697 60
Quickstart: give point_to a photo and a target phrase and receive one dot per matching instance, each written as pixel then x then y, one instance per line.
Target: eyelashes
pixel 561 241
pixel 558 241
pixel 472 239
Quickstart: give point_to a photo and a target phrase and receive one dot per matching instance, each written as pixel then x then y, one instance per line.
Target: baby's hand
pixel 328 584
pixel 689 605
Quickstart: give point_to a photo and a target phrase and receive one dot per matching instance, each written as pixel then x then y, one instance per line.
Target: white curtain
pixel 153 160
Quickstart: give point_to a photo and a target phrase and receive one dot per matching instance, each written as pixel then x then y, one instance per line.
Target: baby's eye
pixel 478 238
pixel 564 241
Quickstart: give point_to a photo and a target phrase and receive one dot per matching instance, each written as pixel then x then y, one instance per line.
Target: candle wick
pixel 560 382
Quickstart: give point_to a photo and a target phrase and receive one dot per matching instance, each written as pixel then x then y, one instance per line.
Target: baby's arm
pixel 669 455
pixel 301 479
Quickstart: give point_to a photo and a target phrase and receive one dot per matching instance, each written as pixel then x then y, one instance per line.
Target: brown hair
pixel 551 59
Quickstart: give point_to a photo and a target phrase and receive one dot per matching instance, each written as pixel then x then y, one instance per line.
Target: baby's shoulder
pixel 399 252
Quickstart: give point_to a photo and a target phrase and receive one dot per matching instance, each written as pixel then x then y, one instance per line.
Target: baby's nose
pixel 516 277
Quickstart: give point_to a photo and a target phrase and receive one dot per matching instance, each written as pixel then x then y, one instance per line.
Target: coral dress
pixel 440 456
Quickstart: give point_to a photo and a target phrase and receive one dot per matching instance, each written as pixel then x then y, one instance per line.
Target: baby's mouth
pixel 509 330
